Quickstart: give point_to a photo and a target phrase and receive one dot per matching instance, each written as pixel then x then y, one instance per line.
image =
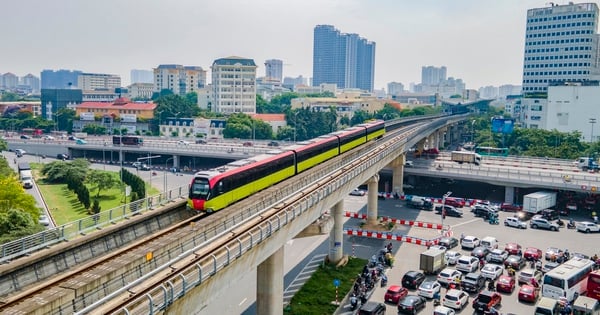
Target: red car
pixel 395 293
pixel 505 284
pixel 507 206
pixel 528 293
pixel 455 202
pixel 486 300
pixel 513 249
pixel 532 253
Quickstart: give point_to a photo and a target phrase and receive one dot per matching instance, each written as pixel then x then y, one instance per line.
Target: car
pixel 247 144
pixel 442 310
pixel 25 137
pixel 480 252
pixel 80 141
pixel 505 284
pixel 144 167
pixel 43 220
pixel 429 289
pixel 473 282
pixel 72 138
pixel 411 304
pixel 357 192
pixel 467 264
pixel 455 202
pixel 554 254
pixel 408 163
pixel 413 279
pixel 440 247
pixel 372 308
pixel 408 186
pixel 492 271
pixel 483 211
pixel 507 206
pixel 469 242
pixel 273 144
pixel 20 152
pixel 447 276
pixel 136 164
pixel 513 249
pixel 528 293
pixel 549 266
pixel 449 210
pixel 394 293
pixel 448 242
pixel 62 156
pixel 532 253
pixel 456 299
pixel 587 227
pixel 497 256
pixel 201 141
pixel 550 214
pixel 515 261
pixel 541 223
pixel 486 300
pixel 452 257
pixel 183 142
pixel 48 137
pixel 527 274
pixel 515 222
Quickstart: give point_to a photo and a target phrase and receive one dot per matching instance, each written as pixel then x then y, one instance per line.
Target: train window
pixel 200 188
pixel 220 187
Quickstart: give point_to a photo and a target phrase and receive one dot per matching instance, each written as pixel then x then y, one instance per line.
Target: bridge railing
pixel 75 229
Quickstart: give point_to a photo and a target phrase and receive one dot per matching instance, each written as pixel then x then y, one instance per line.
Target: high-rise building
pixel 61 79
pixel 395 88
pixel 274 70
pixel 32 82
pixel 142 76
pixel 10 81
pixel 561 44
pixel 98 81
pixel 234 85
pixel 347 60
pixel 179 79
pixel 431 75
pixel 55 99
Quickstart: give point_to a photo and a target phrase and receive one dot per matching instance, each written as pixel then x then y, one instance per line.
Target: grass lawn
pixel 318 292
pixel 63 204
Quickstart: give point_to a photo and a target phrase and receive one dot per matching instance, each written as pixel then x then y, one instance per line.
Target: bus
pixel 593 285
pixel 568 280
pixel 128 140
pixel 491 151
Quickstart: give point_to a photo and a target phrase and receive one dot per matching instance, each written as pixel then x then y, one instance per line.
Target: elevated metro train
pixel 216 189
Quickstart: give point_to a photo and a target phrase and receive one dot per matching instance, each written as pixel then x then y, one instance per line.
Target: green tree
pixel 192 97
pixel 94 129
pixel 359 117
pixel 3 145
pixel 58 171
pixel 96 207
pixel 10 97
pixel 65 117
pixel 175 106
pixel 14 220
pixel 101 180
pixel 12 196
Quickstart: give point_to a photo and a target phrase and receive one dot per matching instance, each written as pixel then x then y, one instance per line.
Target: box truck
pixel 538 201
pixel 433 260
pixel 465 157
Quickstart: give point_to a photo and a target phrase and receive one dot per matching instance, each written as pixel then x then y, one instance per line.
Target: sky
pixel 479 41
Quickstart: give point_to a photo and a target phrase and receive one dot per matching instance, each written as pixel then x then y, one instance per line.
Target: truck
pixel 23 166
pixel 587 164
pixel 465 157
pixel 80 135
pixel 433 260
pixel 536 202
pixel 25 175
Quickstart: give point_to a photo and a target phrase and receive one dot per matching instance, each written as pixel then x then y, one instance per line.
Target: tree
pixel 12 196
pixel 175 106
pixel 94 129
pixel 64 118
pixel 14 220
pixel 9 97
pixel 96 208
pixel 192 97
pixel 101 180
pixel 58 171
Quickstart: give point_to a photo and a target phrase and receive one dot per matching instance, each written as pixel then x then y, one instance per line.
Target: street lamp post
pixel 592 121
pixel 149 159
pixel 443 213
pixel 295 125
pixel 165 176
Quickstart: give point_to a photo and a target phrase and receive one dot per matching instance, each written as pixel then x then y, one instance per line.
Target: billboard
pixel 502 125
pixel 130 118
pixel 87 116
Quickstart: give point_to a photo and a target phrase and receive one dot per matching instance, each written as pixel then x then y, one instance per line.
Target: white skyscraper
pixel 234 85
pixel 431 75
pixel 142 76
pixel 274 70
pixel 179 79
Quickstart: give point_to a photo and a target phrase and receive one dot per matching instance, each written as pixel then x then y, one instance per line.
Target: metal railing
pixel 75 229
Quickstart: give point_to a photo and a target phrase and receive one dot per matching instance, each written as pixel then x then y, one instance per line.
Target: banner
pixel 502 125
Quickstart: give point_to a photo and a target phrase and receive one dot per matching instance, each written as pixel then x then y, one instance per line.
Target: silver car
pixel 515 222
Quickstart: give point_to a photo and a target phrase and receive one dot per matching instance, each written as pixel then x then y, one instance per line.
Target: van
pixel 489 242
pixel 372 308
pixel 584 305
pixel 550 214
pixel 546 306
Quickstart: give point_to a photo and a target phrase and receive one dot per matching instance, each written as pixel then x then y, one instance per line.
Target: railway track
pixel 73 291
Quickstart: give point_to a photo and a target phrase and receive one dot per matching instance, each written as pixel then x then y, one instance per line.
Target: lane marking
pixel 470 221
pixel 242 302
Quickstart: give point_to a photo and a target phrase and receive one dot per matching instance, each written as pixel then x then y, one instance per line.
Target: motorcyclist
pixel 567 254
pixel 491 285
pixel 354 301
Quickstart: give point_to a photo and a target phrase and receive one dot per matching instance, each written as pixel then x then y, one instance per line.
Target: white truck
pixel 26 178
pixel 538 201
pixel 465 157
pixel 433 260
pixel 587 164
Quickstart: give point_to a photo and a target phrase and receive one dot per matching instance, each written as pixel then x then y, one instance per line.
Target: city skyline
pixel 480 42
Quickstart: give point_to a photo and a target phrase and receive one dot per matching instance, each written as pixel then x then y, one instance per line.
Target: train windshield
pixel 200 188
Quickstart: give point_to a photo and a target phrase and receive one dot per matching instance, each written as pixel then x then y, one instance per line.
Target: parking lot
pixel 407 255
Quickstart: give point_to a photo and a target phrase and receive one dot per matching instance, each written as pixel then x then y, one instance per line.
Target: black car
pixel 515 261
pixel 483 211
pixel 411 304
pixel 273 144
pixel 450 211
pixel 473 282
pixel 413 279
pixel 448 242
pixel 549 266
pixel 201 141
pixel 480 252
pixel 62 156
pixel 25 137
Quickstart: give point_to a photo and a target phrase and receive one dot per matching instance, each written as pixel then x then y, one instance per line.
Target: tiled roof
pixel 231 60
pixel 269 117
pixel 120 103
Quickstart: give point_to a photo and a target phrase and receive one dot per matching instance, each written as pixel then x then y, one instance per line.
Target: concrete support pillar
pixel 509 194
pixel 437 140
pixel 336 236
pixel 421 145
pixel 121 157
pixel 398 173
pixel 176 161
pixel 269 285
pixel 373 187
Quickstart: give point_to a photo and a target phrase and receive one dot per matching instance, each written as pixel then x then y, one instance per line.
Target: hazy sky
pixel 479 41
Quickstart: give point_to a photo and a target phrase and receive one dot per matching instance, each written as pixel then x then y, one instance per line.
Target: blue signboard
pixel 502 125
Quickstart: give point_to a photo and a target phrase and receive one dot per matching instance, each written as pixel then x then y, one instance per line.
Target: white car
pixel 469 242
pixel 440 247
pixel 357 192
pixel 408 163
pixel 48 137
pixel 492 271
pixel 467 263
pixel 452 257
pixel 456 299
pixel 448 275
pixel 515 222
pixel 442 310
pixel 497 256
pixel 44 220
pixel 428 289
pixel 183 142
pixel 587 227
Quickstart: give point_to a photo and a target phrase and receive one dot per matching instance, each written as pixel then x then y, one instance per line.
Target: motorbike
pixel 571 225
pixel 154 173
pixel 384 280
pixel 494 221
pixel 491 286
pixel 560 223
pixel 436 302
pixel 354 302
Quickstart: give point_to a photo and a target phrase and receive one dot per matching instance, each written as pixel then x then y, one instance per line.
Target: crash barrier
pixel 468 202
pixel 392 237
pixel 426 225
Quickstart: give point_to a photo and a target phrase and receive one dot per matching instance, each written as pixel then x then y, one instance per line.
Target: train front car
pixel 375 129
